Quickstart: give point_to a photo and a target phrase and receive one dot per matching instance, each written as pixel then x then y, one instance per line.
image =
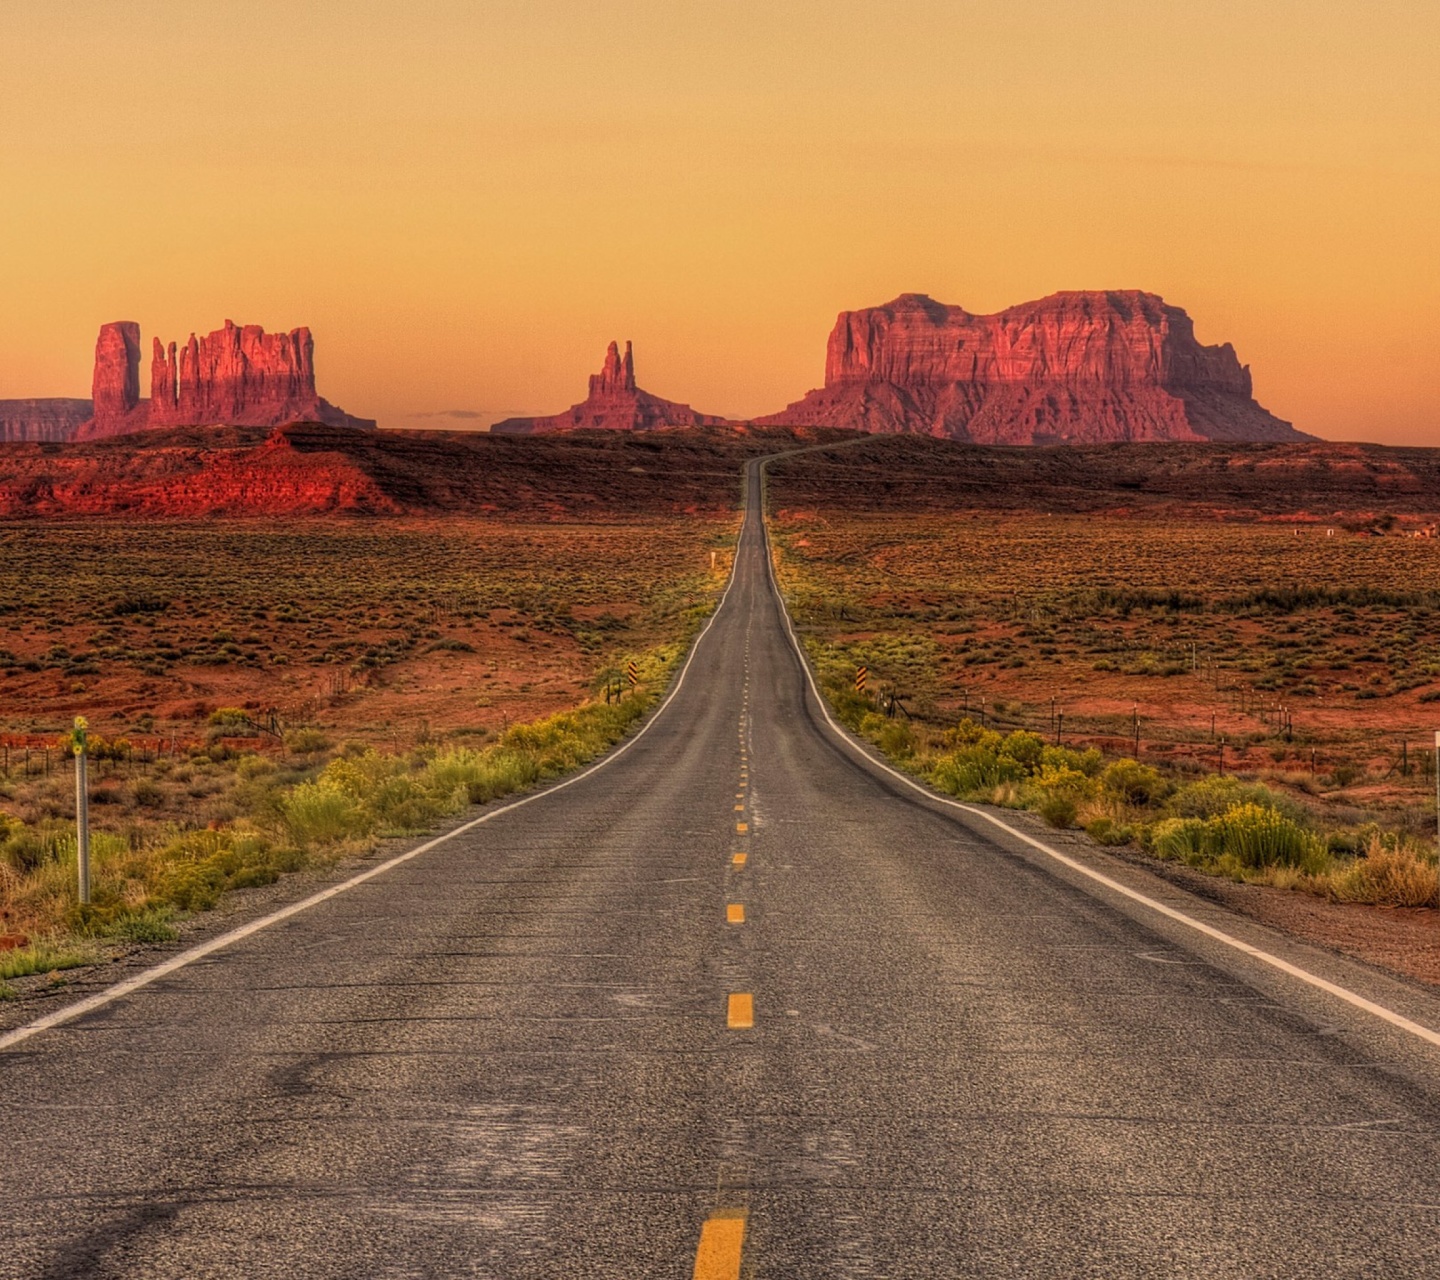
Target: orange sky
pixel 467 200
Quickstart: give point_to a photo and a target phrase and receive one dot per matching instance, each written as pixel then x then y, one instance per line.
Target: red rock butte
pixel 615 403
pixel 235 376
pixel 1073 368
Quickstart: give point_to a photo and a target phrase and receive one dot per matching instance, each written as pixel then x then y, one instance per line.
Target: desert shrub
pixel 1105 830
pixel 229 718
pixel 147 794
pixel 1257 836
pixel 1059 809
pixel 458 768
pixel 895 738
pixel 1134 783
pixel 322 813
pixel 1089 762
pixel 248 768
pixel 26 849
pixel 1394 876
pixel 402 804
pixel 197 867
pixel 1025 749
pixel 1211 797
pixel 306 742
pixel 569 738
pixel 1183 839
pixel 505 771
pixel 975 770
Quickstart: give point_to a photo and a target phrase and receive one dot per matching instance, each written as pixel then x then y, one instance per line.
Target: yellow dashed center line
pixel 735 913
pixel 742 827
pixel 722 1240
pixel 740 1015
pixel 739 807
pixel 739 859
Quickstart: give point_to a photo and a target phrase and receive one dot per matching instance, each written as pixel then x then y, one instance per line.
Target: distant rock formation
pixel 115 384
pixel 615 403
pixel 43 421
pixel 1073 368
pixel 235 376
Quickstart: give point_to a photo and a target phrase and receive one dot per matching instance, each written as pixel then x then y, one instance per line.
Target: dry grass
pixel 980 619
pixel 495 644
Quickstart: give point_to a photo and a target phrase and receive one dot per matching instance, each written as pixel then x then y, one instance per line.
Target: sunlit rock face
pixel 615 403
pixel 1077 368
pixel 236 376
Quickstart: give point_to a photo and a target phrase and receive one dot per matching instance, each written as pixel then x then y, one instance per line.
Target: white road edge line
pixel 143 979
pixel 1275 962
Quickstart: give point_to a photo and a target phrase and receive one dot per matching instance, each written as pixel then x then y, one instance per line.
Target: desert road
pixel 736 1003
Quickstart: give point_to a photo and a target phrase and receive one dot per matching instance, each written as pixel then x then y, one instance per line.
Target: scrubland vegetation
pixel 310 803
pixel 293 616
pixel 1239 698
pixel 239 683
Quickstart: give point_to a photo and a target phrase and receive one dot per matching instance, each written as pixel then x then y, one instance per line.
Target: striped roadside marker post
pixel 862 674
pixel 632 673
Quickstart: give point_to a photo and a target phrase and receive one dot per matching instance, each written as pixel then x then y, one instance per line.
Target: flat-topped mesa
pixel 51 420
pixel 235 376
pixel 615 403
pixel 1082 367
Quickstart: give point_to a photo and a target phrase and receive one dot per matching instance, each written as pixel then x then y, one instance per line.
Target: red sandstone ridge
pixel 235 376
pixel 1073 368
pixel 50 420
pixel 615 403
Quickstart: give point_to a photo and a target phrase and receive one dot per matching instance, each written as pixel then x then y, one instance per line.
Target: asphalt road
pixel 512 1056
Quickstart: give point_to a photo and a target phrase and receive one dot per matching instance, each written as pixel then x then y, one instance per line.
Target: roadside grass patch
pixel 43 957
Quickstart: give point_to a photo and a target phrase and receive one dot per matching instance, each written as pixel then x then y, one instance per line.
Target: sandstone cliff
pixel 615 403
pixel 237 376
pixel 45 420
pixel 1072 368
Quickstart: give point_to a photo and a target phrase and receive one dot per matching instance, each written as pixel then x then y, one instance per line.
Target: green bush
pixel 1026 749
pixel 150 925
pixel 505 771
pixel 1135 783
pixel 1059 809
pixel 1089 762
pixel 1260 837
pixel 402 804
pixel 896 739
pixel 322 813
pixel 147 794
pixel 306 742
pixel 1107 831
pixel 974 770
pixel 1183 839
pixel 26 850
pixel 1208 798
pixel 1215 796
pixel 43 957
